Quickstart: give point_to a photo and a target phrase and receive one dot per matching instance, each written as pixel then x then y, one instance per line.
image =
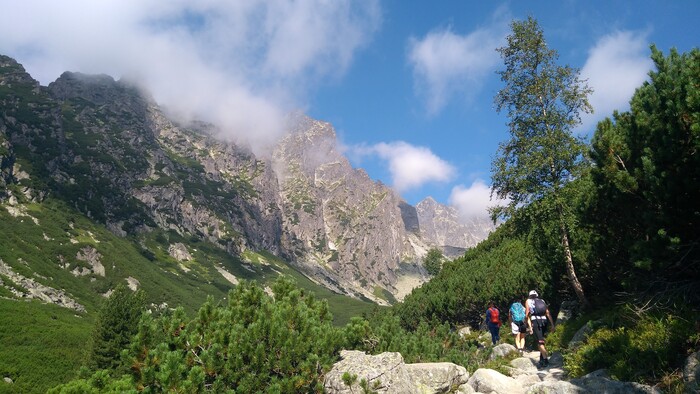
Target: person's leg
pixel 494 333
pixel 521 341
pixel 538 328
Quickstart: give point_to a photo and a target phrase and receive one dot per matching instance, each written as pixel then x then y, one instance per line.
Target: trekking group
pixel 528 316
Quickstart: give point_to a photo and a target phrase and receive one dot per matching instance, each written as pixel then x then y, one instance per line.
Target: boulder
pixel 523 365
pixel 502 350
pixel 691 373
pixel 488 380
pixel 464 331
pixel 555 387
pixel 583 333
pixel 598 382
pixel 7 380
pixel 437 377
pixel 387 373
pixel 567 310
pixel 383 372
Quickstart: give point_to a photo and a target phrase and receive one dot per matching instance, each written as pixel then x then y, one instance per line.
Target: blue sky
pixel 408 85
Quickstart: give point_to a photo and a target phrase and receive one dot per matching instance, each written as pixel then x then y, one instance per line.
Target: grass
pixel 42 345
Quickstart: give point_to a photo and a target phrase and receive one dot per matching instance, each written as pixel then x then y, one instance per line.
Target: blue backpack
pixel 517 311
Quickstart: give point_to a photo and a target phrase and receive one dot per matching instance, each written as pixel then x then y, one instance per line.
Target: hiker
pixel 493 322
pixel 518 327
pixel 538 318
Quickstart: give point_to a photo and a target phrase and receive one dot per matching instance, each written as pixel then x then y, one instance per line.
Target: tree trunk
pixel 578 289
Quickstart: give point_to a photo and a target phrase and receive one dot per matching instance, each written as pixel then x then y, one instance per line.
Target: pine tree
pixel 116 323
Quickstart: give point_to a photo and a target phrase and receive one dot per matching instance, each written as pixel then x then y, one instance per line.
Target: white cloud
pixel 410 166
pixel 616 66
pixel 446 64
pixel 243 64
pixel 473 200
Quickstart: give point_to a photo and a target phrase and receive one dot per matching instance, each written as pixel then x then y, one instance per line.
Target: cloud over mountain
pixel 242 64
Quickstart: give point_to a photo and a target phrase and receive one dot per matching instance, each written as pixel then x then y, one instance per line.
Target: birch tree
pixel 543 102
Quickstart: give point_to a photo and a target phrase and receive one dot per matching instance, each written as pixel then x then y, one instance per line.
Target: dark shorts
pixel 539 328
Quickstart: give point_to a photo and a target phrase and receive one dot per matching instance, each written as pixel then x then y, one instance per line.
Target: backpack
pixel 494 316
pixel 517 311
pixel 540 308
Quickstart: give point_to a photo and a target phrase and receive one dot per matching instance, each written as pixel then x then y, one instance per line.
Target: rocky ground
pixel 387 373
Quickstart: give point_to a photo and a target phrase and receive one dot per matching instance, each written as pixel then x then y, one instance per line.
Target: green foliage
pixel 40 345
pixel 499 269
pixel 543 101
pixel 642 350
pixel 433 261
pixel 116 323
pixel 253 343
pixel 100 382
pixel 647 176
pixel 428 342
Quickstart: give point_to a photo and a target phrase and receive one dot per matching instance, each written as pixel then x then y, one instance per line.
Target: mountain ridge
pixel 108 149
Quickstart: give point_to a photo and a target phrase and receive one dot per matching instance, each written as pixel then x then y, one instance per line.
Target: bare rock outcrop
pixel 387 373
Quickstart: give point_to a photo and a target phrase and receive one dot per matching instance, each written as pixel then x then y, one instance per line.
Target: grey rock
pixel 487 380
pixel 582 334
pixel 441 225
pixel 179 252
pixel 523 365
pixel 437 377
pixel 384 370
pixel 691 372
pixel 502 350
pixel 555 387
pixel 7 380
pixel 465 331
pixel 567 310
pixel 387 373
pixel 597 382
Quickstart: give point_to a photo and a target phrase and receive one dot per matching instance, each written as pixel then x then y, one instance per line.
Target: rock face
pixel 336 217
pixel 441 225
pixel 107 149
pixel 387 373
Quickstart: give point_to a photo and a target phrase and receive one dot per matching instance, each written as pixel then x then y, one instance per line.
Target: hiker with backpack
pixel 518 327
pixel 539 319
pixel 493 322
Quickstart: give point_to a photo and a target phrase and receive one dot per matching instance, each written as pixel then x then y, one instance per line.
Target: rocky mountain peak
pixel 12 72
pixel 442 225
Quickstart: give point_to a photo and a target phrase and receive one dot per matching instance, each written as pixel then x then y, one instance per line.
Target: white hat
pixel 533 293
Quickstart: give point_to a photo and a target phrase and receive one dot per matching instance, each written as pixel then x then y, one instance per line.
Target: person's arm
pixel 488 316
pixel 527 318
pixel 549 316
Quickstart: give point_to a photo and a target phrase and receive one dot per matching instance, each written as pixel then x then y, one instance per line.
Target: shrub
pixel 644 351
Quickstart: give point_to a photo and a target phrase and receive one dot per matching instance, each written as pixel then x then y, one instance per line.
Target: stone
pixel 599 382
pixel 385 370
pixel 387 373
pixel 464 331
pixel 523 365
pixel 179 252
pixel 691 372
pixel 528 380
pixel 437 377
pixel 582 333
pixel 502 350
pixel 567 310
pixel 8 380
pixel 555 387
pixel 487 380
